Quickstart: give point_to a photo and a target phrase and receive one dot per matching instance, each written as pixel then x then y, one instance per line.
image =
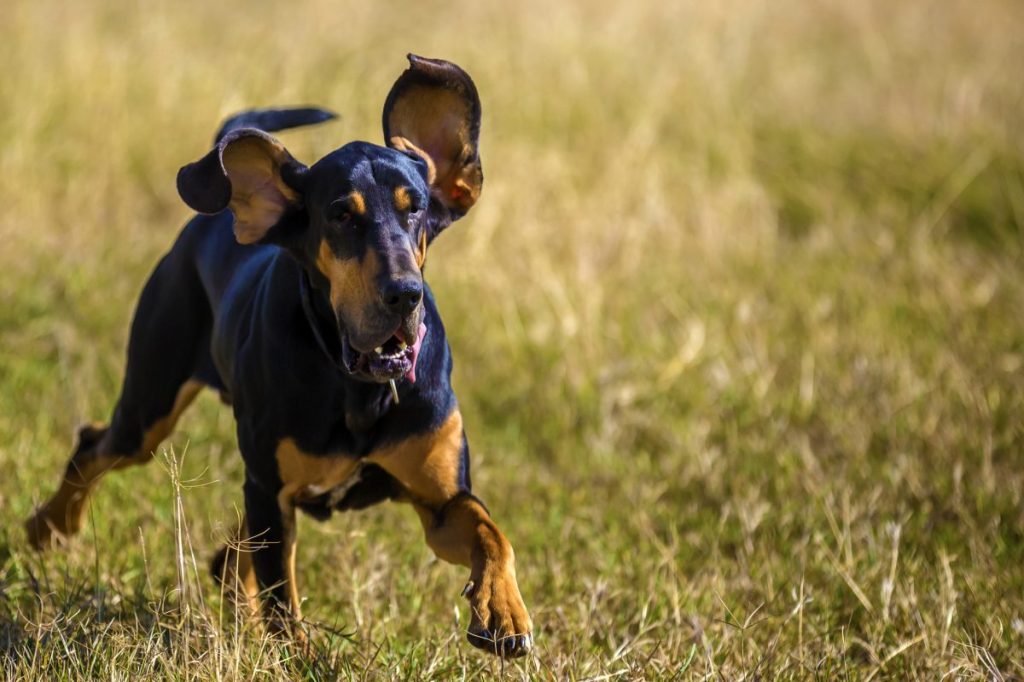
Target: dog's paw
pixel 500 623
pixel 42 532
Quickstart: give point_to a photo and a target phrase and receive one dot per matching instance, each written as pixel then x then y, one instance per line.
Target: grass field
pixel 738 326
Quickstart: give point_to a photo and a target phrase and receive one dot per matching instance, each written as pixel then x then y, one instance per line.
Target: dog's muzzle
pixel 394 359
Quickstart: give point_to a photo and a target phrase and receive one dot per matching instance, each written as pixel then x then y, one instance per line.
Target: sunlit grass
pixel 738 327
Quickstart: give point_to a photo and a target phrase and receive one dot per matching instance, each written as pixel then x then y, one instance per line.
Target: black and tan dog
pixel 304 305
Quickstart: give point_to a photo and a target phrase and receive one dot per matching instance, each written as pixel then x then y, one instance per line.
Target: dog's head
pixel 361 218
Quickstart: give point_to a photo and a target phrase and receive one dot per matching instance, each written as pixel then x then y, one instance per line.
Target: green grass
pixel 738 327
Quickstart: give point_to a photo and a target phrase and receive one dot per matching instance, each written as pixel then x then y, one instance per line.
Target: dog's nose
pixel 402 295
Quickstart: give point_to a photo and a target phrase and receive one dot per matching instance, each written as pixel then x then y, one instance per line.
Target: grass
pixel 746 392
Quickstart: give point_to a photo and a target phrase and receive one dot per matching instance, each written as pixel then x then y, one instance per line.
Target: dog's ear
pixel 433 112
pixel 249 172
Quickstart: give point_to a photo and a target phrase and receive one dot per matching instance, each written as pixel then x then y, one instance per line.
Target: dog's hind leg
pixel 169 340
pixel 95 454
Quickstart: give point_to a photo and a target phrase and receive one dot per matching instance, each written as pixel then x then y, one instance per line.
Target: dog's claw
pixel 521 645
pixel 500 624
pixel 510 646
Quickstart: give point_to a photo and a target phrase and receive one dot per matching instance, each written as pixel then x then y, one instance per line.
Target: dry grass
pixel 746 391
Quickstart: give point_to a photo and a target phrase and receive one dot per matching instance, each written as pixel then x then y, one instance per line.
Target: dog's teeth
pixel 378 350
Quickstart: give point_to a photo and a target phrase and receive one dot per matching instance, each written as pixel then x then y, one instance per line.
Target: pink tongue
pixel 411 375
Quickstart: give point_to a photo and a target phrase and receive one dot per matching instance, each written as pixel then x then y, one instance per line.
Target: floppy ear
pixel 246 172
pixel 433 111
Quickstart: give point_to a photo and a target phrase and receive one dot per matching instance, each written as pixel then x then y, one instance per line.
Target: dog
pixel 298 294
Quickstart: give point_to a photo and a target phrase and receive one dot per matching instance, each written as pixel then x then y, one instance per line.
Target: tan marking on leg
pixel 64 514
pixel 426 465
pixel 465 531
pixel 303 476
pixel 162 428
pixel 460 531
pixel 467 536
pixel 289 548
pixel 239 575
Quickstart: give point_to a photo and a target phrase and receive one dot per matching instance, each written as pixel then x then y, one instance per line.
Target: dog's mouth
pixel 393 359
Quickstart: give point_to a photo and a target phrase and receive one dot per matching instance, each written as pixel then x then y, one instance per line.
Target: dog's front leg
pixel 462 532
pixel 270 519
pixel 459 529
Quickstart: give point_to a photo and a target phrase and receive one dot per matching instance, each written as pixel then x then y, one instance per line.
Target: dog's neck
pixel 316 307
pixel 365 402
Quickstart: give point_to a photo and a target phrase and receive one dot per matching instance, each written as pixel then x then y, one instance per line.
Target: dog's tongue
pixel 411 375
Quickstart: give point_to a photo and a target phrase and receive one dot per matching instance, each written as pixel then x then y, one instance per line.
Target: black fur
pixel 255 322
pixel 298 295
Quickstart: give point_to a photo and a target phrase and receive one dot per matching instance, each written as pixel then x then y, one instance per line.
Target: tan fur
pixel 239 577
pixel 162 428
pixel 353 288
pixel 259 196
pixel 289 548
pixel 426 465
pixel 457 528
pixel 401 198
pixel 405 145
pixel 467 536
pixel 421 253
pixel 64 514
pixel 434 123
pixel 303 476
pixel 356 203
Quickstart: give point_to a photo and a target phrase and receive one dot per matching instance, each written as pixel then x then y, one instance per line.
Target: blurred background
pixel 738 330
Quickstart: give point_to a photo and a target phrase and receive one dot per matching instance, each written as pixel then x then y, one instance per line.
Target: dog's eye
pixel 337 213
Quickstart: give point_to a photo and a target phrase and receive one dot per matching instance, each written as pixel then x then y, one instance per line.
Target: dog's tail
pixel 272 120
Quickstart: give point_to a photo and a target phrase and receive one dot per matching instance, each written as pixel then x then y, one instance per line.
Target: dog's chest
pixel 305 476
